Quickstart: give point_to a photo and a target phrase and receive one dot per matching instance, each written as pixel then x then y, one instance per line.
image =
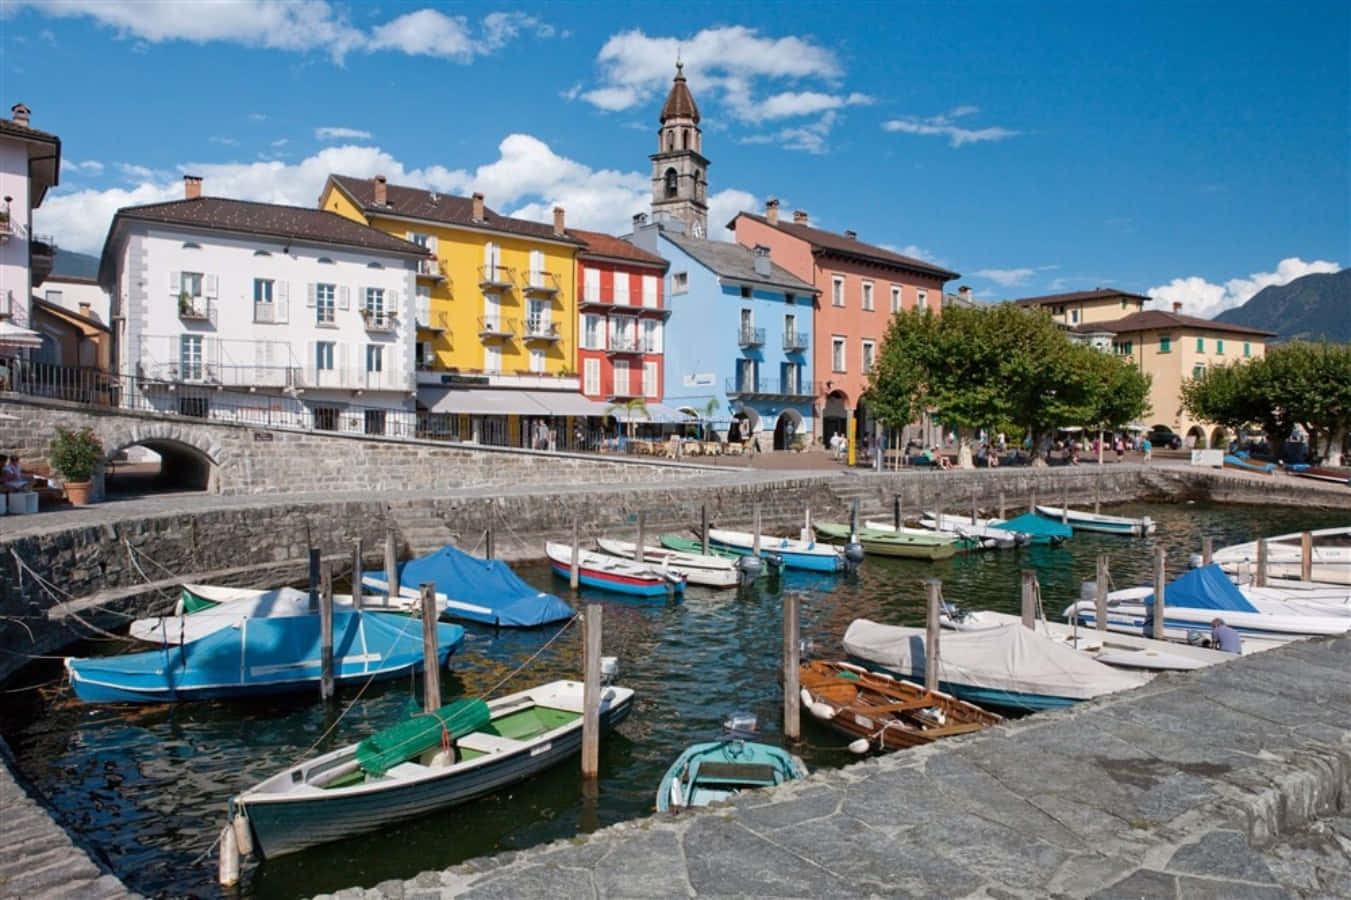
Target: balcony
pixel 541 330
pixel 431 268
pixel 542 284
pixel 593 302
pixel 5 229
pixel 794 341
pixel 196 309
pixel 432 321
pixel 495 327
pixel 619 393
pixel 785 388
pixel 380 321
pixel 623 344
pixel 496 278
pixel 41 250
pixel 751 337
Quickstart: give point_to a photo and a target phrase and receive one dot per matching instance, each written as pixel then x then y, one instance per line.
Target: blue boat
pixel 1039 530
pixel 1243 463
pixel 715 771
pixel 475 590
pixel 794 553
pixel 261 656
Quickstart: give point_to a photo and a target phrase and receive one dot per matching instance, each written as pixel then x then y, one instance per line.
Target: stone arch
pixel 189 459
pixel 1219 438
pixel 835 414
pixel 671 183
pixel 1196 437
pixel 787 428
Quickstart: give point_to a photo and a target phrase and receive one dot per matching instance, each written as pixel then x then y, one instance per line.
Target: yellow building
pixel 1086 307
pixel 496 310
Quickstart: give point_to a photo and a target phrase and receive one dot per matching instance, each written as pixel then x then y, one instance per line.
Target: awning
pixel 566 403
pixel 663 414
pixel 12 335
pixel 480 402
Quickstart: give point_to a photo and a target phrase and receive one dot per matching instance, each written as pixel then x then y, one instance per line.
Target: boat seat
pixel 407 770
pixel 736 773
pixel 488 743
pixel 917 703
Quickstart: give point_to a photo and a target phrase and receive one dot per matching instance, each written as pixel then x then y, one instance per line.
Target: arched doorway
pixel 156 465
pixel 1196 438
pixel 834 416
pixel 1219 438
pixel 745 422
pixel 787 429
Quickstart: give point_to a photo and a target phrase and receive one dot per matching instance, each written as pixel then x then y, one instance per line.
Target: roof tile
pixel 598 244
pixel 830 242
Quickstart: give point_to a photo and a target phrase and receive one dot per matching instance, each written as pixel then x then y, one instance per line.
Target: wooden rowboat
pixel 889 714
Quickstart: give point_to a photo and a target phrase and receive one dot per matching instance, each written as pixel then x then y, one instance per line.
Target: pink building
pixel 861 286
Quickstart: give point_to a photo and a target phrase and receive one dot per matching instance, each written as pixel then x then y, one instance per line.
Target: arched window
pixel 685 139
pixel 261 253
pixel 191 245
pixel 325 260
pixel 670 140
pixel 374 265
pixel 670 182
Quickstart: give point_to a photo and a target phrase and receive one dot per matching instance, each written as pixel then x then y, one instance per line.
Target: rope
pixel 137 566
pixel 516 671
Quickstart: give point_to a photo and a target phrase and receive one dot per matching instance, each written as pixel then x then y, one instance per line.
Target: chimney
pixel 478 207
pixel 799 217
pixel 20 111
pixel 86 309
pixel 192 187
pixel 772 210
pixel 639 220
pixel 1177 306
pixel 762 260
pixel 381 190
pixel 851 235
pixel 964 292
pixel 559 230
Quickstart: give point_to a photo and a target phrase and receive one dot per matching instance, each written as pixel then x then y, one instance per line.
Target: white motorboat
pixel 1330 557
pixel 710 571
pixel 1087 521
pixel 984 530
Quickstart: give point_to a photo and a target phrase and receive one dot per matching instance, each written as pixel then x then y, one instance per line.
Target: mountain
pixel 1310 308
pixel 75 265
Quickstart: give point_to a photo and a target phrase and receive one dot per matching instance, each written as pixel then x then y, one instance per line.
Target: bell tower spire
pixel 679 169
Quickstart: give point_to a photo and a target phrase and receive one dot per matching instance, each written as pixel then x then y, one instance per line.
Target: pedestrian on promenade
pixel 1224 638
pixel 1147 449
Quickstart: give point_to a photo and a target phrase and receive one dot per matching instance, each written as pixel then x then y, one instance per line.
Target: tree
pixel 996 366
pixel 630 408
pixel 1299 383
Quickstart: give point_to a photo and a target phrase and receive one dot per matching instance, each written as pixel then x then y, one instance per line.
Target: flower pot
pixel 77 492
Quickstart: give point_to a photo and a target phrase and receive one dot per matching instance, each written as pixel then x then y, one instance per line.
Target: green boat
pixel 719 770
pixel 928 545
pixel 689 545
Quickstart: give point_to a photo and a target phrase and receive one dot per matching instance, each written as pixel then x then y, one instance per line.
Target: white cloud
pixel 88 167
pixel 945 125
pixel 280 142
pixel 227 141
pixel 133 172
pixel 1202 298
pixel 914 251
pixel 803 103
pixel 810 138
pixel 258 117
pixel 526 179
pixel 338 133
pixel 1005 277
pixel 294 25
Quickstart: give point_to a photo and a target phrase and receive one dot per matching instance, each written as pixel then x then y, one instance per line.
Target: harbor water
pixel 146 786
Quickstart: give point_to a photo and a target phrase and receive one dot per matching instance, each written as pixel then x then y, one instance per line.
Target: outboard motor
pixel 749 567
pixel 775 563
pixel 853 555
pixel 609 669
pixel 741 725
pixel 1194 560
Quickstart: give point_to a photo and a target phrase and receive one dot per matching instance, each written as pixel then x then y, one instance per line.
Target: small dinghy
pixel 1037 529
pixel 1104 524
pixel 925 545
pixel 429 762
pixel 709 571
pixel 719 770
pixel 690 545
pixel 183 629
pixel 1318 473
pixel 623 576
pixel 885 713
pixel 794 553
pixel 991 536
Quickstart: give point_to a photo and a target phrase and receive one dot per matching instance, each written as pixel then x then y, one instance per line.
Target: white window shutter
pixel 488 253
pixel 391 301
pixel 310 358
pixel 431 243
pixel 282 311
pixel 281 291
pixel 175 283
pixel 210 286
pixel 311 295
pixel 344 297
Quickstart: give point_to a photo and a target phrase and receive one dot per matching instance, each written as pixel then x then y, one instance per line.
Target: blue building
pixel 739 334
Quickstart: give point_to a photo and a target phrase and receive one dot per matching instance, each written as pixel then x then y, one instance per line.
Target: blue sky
pixel 1194 151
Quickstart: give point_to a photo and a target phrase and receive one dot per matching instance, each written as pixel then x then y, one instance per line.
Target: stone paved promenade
pixel 1226 783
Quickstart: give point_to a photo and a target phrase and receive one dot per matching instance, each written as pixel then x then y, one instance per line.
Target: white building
pixel 82 296
pixel 30 164
pixel 262 313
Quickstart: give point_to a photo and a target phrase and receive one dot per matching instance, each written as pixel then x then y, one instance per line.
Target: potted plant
pixel 184 303
pixel 76 455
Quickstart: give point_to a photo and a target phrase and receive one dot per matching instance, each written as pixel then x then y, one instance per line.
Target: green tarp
pixel 383 750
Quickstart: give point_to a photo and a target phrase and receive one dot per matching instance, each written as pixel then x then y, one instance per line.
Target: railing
pixel 541 283
pixel 540 330
pixel 42 245
pixel 751 337
pixel 379 320
pixel 496 277
pixel 431 268
pixel 495 326
pixel 794 340
pixel 624 344
pixel 197 309
pixel 770 387
pixel 72 383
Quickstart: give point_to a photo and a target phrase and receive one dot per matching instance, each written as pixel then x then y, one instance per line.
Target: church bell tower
pixel 679 170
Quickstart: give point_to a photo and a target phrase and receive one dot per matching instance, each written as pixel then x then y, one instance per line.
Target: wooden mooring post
pixel 1064 504
pixel 573 571
pixel 488 544
pixel 431 667
pixel 1100 597
pixel 1029 599
pixel 755 520
pixel 1160 579
pixel 932 628
pixel 975 511
pixel 792 701
pixel 1207 550
pixel 325 633
pixel 806 523
pixel 896 512
pixel 1260 578
pixel 391 567
pixel 642 536
pixel 703 527
pixel 1097 490
pixel 1032 499
pixel 1002 506
pixel 591 649
pixel 314 579
pixel 356 574
pixel 1306 556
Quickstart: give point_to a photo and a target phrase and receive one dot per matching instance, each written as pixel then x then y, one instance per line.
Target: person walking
pixel 1147 449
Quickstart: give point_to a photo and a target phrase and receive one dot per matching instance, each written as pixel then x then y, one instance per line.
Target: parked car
pixel 1163 436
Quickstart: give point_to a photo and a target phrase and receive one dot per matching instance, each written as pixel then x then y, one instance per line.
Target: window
pixel 680 282
pixel 324 261
pixel 537 317
pixel 921 300
pixel 536 360
pixel 323 356
pixel 190 283
pixel 792 378
pixel 745 293
pixel 262 290
pixel 1197 371
pixel 650 291
pixel 790 299
pixel 652 336
pixel 1128 347
pixel 375 358
pixel 1165 344
pixel 869 351
pixel 837 354
pixel 423 355
pixel 374 265
pixel 623 384
pixel 375 421
pixel 591 377
pixel 621 289
pixel 375 303
pixel 895 298
pixel 1074 317
pixel 837 291
pixel 867 295
pixel 649 379
pixel 593 334
pixel 1219 346
pixel 261 253
pixel 324 296
pixel 53 297
pixel 492 358
pixel 746 380
pixel 591 285
pixel 190 357
pixel 1200 345
pixel 326 418
pixel 191 245
pixel 1123 302
pixel 1247 349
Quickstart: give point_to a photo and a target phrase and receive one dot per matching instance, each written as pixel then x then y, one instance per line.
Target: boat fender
pixel 822 711
pixel 442 758
pixel 677 797
pixel 243 834
pixel 860 746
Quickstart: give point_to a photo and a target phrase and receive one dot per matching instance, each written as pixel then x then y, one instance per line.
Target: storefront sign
pixel 700 379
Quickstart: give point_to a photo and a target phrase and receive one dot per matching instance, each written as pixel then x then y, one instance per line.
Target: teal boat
pixel 689 545
pixel 1040 530
pixel 928 545
pixel 719 770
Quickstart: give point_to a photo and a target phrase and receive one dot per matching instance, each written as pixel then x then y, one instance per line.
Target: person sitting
pixel 1224 638
pixel 941 459
pixel 12 477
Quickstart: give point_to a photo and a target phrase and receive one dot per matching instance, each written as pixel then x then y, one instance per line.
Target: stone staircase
pixel 870 504
pixel 424 531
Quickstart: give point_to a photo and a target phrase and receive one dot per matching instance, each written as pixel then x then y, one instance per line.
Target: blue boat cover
pixel 1242 463
pixel 482 590
pixel 1204 588
pixel 1037 526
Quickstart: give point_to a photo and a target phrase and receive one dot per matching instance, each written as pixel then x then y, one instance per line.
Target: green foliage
pixel 634 406
pixel 999 368
pixel 76 454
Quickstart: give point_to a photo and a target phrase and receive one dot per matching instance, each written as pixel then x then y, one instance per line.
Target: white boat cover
pixel 279 603
pixel 1011 658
